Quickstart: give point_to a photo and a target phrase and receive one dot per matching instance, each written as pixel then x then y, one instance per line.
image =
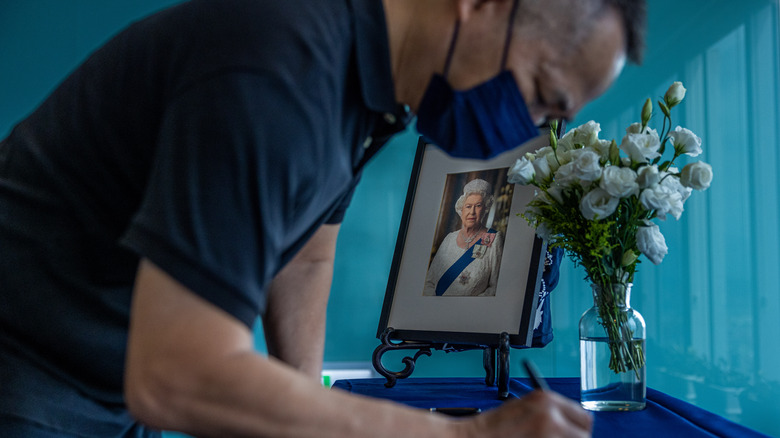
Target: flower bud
pixel 675 94
pixel 614 153
pixel 629 257
pixel 647 111
pixel 664 109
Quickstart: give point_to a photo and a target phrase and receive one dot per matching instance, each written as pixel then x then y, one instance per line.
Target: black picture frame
pixel 463 320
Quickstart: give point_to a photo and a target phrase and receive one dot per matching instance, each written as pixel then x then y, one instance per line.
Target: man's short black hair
pixel 567 22
pixel 634 15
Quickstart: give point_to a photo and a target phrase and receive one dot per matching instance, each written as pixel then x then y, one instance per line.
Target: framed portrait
pixel 467 267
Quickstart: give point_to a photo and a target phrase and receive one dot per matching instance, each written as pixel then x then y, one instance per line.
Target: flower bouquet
pixel 597 200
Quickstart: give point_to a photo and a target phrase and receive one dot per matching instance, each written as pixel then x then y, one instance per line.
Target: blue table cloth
pixel 664 416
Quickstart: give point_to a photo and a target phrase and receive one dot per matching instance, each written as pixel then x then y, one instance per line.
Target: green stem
pixel 625 354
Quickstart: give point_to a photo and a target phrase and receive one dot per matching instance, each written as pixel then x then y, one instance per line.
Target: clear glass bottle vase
pixel 612 352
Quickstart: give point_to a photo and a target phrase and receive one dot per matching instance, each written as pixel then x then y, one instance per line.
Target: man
pixel 191 175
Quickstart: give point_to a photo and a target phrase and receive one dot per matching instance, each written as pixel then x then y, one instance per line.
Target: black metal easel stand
pixel 493 356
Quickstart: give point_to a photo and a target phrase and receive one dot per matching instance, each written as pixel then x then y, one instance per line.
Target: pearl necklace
pixel 468 240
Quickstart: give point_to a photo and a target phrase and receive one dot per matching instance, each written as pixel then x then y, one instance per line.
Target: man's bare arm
pixel 192 367
pixel 294 323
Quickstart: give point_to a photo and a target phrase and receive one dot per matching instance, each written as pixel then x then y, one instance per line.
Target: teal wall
pixel 711 308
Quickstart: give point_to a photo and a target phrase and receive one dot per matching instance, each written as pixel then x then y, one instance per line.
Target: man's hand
pixel 540 414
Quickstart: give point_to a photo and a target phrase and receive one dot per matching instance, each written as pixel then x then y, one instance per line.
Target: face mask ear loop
pixel 451 50
pixel 512 14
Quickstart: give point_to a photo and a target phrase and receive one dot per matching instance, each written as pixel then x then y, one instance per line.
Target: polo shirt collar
pixel 373 56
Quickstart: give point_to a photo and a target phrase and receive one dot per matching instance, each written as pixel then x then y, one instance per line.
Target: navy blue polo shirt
pixel 213 138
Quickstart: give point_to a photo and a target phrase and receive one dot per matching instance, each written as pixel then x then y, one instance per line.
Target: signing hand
pixel 540 414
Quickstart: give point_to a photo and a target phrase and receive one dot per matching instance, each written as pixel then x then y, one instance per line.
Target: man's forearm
pixel 294 322
pixel 192 368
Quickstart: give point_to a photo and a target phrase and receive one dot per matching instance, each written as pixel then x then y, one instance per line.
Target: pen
pixel 457 412
pixel 537 381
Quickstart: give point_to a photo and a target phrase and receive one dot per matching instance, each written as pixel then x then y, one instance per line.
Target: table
pixel 664 416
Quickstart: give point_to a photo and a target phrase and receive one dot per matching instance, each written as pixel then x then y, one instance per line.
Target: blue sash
pixel 454 271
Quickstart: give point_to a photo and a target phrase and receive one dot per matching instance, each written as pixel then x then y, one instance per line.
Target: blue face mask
pixel 480 122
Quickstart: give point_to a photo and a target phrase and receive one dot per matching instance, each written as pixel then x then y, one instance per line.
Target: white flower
pixel 553 160
pixel 565 143
pixel 559 158
pixel 542 231
pixel 675 94
pixel 540 152
pixel 598 204
pixel 602 148
pixel 641 147
pixel 586 135
pixel 671 180
pixel 522 172
pixel 547 153
pixel 556 193
pixel 619 182
pixel 648 176
pixel 542 168
pixel 586 165
pixel 663 199
pixel 696 175
pixel 685 141
pixel 565 175
pixel 651 242
pixel 589 129
pixel 635 128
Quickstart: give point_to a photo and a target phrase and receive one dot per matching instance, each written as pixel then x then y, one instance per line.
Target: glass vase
pixel 612 352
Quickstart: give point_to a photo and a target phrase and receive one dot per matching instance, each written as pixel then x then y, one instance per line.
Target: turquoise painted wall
pixel 712 307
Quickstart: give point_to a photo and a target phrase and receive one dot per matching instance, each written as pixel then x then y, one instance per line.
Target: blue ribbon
pixel 454 271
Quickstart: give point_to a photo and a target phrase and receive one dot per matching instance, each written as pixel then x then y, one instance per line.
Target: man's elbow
pixel 150 396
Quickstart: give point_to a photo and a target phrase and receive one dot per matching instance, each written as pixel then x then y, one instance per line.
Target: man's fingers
pixel 569 409
pixel 576 414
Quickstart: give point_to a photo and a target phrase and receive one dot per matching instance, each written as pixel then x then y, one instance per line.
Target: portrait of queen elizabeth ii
pixel 467 260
